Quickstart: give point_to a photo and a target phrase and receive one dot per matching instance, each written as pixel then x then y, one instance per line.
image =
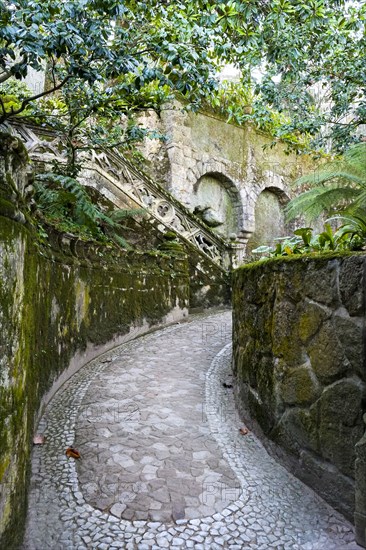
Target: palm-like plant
pixel 337 187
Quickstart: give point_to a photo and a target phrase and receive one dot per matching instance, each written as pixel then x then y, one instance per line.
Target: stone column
pixel 236 255
pixel 360 490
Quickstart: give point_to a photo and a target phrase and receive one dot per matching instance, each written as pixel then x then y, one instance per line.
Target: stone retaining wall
pixel 299 362
pixel 60 306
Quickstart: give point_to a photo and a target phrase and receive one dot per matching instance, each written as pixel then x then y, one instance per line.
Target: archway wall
pixel 200 144
pixel 218 200
pixel 270 221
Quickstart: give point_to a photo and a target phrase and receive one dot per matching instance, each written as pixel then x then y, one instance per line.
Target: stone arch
pixel 216 197
pixel 268 220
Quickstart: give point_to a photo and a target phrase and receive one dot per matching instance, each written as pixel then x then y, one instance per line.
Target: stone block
pixel 240 362
pixel 327 355
pixel 299 386
pixel 349 331
pixel 290 287
pixel 340 425
pixel 297 430
pixel 311 318
pixel 286 343
pixel 360 491
pixel 351 284
pixel 320 282
pixel 259 410
pixel 265 382
pixel 334 487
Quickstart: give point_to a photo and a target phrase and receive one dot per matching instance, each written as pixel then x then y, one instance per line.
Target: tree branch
pixel 5 76
pixel 2 106
pixel 28 100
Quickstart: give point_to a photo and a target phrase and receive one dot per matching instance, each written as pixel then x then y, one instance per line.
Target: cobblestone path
pixel 163 463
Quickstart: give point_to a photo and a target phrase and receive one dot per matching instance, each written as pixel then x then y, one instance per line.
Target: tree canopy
pixel 97 41
pixel 311 55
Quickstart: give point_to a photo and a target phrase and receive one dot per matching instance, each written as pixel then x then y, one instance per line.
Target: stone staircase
pixel 120 181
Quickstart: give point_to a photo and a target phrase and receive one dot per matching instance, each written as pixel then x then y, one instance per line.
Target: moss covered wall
pixel 59 307
pixel 299 362
pixel 209 285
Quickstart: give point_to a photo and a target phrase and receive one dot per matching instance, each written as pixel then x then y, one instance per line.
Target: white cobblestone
pixel 283 513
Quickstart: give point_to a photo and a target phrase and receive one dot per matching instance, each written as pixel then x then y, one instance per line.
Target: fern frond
pixel 356 156
pixel 123 214
pixel 63 197
pixel 343 173
pixel 337 185
pixel 121 241
pixel 311 204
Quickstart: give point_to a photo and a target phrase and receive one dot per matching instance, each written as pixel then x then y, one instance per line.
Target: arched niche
pixel 217 201
pixel 269 218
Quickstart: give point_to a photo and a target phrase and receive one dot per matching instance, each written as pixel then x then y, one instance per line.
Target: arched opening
pixel 217 202
pixel 269 219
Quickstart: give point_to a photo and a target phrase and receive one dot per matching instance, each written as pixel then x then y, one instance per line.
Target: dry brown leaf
pixel 244 431
pixel 71 452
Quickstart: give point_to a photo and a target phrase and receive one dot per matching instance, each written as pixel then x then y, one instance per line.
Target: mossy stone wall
pixel 237 158
pixel 209 285
pixel 60 306
pixel 299 362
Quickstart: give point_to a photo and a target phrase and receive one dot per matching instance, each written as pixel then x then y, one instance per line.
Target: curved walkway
pixel 163 463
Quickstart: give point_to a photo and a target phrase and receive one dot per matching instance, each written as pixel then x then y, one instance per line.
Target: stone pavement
pixel 163 463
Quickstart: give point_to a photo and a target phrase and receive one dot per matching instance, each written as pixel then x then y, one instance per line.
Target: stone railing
pixel 114 171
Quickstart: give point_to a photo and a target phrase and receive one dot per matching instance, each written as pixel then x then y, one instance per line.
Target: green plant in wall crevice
pixel 63 202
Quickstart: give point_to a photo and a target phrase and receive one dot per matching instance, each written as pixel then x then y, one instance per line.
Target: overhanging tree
pixel 100 40
pixel 310 45
pixel 312 54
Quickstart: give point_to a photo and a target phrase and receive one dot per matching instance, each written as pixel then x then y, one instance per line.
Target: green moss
pixel 300 258
pixel 52 306
pixel 10 145
pixel 310 320
pixel 7 208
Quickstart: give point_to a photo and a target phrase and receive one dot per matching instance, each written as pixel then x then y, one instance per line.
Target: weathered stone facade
pixel 299 362
pixel 209 163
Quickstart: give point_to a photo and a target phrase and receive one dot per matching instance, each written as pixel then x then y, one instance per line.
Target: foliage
pixel 337 186
pixel 353 227
pixel 12 93
pixel 91 41
pixel 65 203
pixel 239 104
pixel 232 99
pixel 351 235
pixel 310 54
pixel 312 58
pixel 95 117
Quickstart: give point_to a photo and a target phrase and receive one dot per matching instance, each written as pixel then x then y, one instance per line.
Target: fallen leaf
pixel 72 453
pixel 39 439
pixel 244 431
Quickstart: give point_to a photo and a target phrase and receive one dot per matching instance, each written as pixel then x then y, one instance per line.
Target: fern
pixel 338 186
pixel 64 201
